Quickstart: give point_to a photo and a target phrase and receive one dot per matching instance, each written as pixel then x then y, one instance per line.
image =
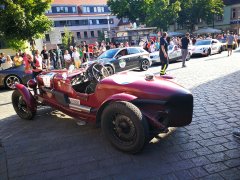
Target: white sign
pixel 55 37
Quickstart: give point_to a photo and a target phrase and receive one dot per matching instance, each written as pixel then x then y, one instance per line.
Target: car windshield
pixel 108 54
pixel 200 43
pixel 223 40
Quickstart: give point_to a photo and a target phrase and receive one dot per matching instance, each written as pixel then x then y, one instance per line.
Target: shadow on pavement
pixel 54 146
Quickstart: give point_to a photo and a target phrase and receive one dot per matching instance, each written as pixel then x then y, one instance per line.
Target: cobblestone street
pixel 53 146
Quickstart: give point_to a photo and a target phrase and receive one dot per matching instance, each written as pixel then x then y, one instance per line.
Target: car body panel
pixel 146 95
pixel 17 71
pixel 123 62
pixel 174 54
pixel 202 47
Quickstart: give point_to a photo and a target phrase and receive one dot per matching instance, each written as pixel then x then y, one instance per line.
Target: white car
pixel 207 47
pixel 174 54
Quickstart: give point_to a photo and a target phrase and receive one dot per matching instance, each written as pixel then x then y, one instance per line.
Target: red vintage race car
pixel 128 108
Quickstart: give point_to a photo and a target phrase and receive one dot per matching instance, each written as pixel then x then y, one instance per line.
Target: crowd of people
pixel 36 61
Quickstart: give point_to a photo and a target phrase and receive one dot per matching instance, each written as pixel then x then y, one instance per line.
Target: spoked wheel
pixel 125 127
pixel 145 65
pixel 11 80
pixel 99 72
pixel 21 107
pixel 110 70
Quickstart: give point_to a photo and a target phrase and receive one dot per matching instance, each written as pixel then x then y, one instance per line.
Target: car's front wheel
pixel 110 69
pixel 11 80
pixel 145 64
pixel 21 107
pixel 124 126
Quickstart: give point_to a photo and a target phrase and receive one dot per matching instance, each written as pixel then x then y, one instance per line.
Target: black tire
pixel 20 106
pixel 209 52
pixel 10 80
pixel 145 64
pixel 110 69
pixel 125 127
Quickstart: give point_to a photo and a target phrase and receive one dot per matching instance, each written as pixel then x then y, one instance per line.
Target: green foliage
pixel 22 20
pixel 132 9
pixel 193 10
pixel 162 13
pixel 19 44
pixel 67 38
pixel 159 13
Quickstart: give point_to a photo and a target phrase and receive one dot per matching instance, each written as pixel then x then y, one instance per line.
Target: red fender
pixel 115 97
pixel 27 96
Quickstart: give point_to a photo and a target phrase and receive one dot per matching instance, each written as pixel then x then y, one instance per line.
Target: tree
pixel 24 20
pixel 131 9
pixel 161 13
pixel 194 10
pixel 67 38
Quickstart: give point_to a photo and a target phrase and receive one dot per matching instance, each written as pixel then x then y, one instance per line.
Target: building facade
pixel 87 20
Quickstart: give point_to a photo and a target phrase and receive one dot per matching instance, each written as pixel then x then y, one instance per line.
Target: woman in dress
pixel 68 59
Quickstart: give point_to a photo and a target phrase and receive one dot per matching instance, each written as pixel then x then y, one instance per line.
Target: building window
pixel 95 9
pixel 179 26
pixel 234 13
pixel 125 20
pixel 85 34
pixel 78 35
pixel 90 22
pixel 47 37
pixel 58 9
pixel 92 33
pixel 73 9
pixel 66 9
pixel 86 9
pixel 219 18
pixel 99 33
pixel 97 21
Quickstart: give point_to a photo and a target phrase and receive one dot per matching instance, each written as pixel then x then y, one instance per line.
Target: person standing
pixel 230 40
pixel 185 42
pixel 59 58
pixel 53 58
pixel 85 51
pixel 18 60
pixel 45 57
pixel 67 59
pixel 76 58
pixel 37 64
pixel 163 53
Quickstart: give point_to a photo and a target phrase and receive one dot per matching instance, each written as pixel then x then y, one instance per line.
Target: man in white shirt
pixel 76 58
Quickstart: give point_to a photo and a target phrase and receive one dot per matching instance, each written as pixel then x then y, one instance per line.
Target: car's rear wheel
pixel 11 80
pixel 144 65
pixel 21 107
pixel 124 126
pixel 110 69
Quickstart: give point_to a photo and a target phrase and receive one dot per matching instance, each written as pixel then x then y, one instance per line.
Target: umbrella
pixel 207 30
pixel 175 34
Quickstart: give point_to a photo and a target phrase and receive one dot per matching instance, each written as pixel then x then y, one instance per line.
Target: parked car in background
pixel 207 47
pixel 174 54
pixel 121 59
pixel 224 44
pixel 10 76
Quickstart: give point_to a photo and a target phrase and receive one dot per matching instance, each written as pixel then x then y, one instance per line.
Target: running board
pixel 80 108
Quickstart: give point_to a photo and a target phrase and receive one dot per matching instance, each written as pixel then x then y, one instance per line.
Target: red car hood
pixel 158 88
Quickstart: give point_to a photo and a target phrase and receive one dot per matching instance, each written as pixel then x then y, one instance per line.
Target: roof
pixel 231 2
pixel 80 2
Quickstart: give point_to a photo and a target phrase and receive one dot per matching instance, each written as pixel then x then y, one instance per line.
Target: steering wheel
pixel 98 71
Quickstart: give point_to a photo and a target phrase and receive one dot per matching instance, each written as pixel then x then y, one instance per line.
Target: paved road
pixel 53 146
